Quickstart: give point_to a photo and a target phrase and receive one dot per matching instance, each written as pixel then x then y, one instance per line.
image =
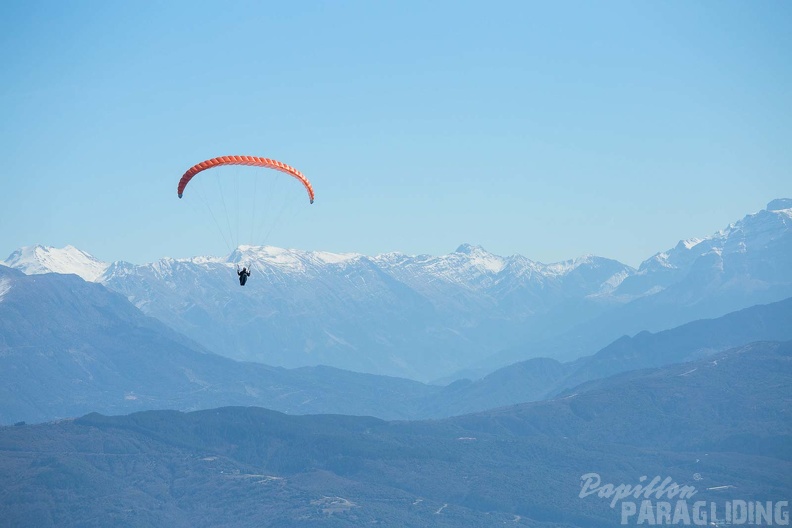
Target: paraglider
pixel 252 161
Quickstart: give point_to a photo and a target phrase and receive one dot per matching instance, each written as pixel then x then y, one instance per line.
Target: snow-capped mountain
pixel 417 316
pixel 427 316
pixel 68 260
pixel 747 263
pixel 756 248
pixel 398 314
pixel 475 269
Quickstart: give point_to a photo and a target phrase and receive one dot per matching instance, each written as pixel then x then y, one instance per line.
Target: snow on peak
pixel 334 258
pixel 481 258
pixel 287 257
pixel 557 269
pixel 754 231
pixel 691 242
pixel 34 260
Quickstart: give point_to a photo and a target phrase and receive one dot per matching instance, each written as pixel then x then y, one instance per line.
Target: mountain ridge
pixel 426 317
pixel 95 351
pixel 522 464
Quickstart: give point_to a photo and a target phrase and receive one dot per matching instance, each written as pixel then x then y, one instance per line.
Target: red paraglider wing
pixel 244 160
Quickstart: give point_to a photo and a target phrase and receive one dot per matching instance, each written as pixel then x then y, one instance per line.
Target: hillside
pixel 718 425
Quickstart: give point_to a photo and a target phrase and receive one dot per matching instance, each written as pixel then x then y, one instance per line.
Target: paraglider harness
pixel 243 275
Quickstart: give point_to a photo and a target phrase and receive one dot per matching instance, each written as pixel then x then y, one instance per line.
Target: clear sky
pixel 549 129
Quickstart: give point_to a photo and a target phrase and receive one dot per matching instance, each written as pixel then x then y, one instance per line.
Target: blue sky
pixel 549 129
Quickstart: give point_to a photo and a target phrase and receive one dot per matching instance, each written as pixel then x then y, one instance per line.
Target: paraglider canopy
pixel 242 211
pixel 244 160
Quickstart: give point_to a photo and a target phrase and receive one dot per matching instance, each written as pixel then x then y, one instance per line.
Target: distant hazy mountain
pixel 426 317
pixel 68 347
pixel 413 316
pixel 719 425
pixel 538 379
pixel 748 263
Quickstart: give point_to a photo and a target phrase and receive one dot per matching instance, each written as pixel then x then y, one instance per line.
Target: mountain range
pixel 429 317
pixel 718 426
pixel 543 378
pixel 702 399
pixel 68 347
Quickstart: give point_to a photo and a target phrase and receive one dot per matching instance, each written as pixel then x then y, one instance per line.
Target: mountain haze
pixel 68 346
pixel 94 351
pixel 718 425
pixel 543 378
pixel 426 317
